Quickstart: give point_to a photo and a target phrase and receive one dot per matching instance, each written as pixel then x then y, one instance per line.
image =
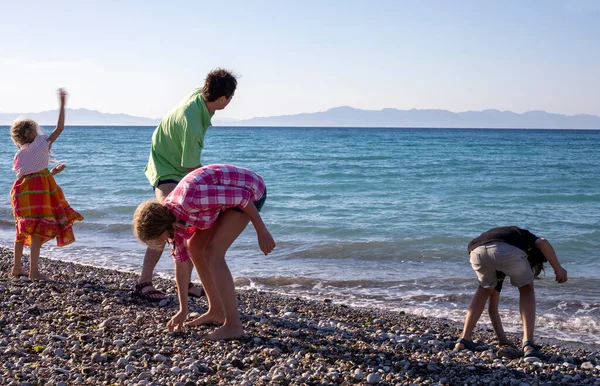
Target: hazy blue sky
pixel 142 57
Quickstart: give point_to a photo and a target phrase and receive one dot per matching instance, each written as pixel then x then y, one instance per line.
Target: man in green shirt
pixel 177 144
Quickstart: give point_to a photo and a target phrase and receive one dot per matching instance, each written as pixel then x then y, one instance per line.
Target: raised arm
pixel 60 125
pixel 544 245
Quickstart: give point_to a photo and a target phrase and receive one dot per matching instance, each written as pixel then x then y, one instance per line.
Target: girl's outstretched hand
pixel 266 242
pixel 57 169
pixel 62 96
pixel 176 322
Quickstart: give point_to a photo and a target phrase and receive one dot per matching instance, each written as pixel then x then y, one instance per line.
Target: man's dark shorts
pixel 160 182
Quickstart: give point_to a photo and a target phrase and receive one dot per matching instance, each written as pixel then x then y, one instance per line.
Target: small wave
pixel 105 228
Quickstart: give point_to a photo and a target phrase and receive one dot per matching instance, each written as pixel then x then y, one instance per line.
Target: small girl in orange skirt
pixel 39 206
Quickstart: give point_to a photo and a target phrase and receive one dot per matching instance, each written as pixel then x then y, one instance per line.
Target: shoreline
pixel 86 328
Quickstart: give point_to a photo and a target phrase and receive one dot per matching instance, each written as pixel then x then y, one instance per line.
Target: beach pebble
pixel 358 374
pixel 373 378
pixel 145 375
pixel 96 358
pixel 163 302
pixel 587 366
pixel 278 377
pixel 160 358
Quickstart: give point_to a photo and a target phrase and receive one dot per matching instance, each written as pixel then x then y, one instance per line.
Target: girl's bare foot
pixel 227 333
pixel 207 318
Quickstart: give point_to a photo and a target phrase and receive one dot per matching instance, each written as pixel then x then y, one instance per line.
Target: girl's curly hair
pixel 24 131
pixel 150 220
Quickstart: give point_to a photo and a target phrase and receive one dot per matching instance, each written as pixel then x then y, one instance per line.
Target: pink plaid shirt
pixel 203 194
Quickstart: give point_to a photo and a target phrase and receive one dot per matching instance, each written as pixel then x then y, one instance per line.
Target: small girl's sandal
pixel 533 352
pixel 467 345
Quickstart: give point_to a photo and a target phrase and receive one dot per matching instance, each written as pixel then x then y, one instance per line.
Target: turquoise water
pixel 371 217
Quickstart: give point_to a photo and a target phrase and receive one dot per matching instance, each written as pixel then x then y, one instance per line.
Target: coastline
pixel 86 328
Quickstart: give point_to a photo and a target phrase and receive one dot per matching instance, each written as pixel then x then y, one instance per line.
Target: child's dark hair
pixel 150 220
pixel 219 82
pixel 536 260
pixel 24 131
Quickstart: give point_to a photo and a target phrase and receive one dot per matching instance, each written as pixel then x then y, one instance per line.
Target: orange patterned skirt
pixel 40 209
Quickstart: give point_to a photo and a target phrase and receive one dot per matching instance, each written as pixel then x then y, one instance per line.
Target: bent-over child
pixel 209 208
pixel 516 253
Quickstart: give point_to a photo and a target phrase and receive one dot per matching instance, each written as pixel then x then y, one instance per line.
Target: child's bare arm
pixel 183 281
pixel 546 248
pixel 494 314
pixel 265 240
pixel 60 125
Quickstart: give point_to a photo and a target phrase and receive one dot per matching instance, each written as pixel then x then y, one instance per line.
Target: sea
pixel 368 217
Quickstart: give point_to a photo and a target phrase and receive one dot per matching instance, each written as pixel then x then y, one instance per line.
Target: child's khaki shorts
pixel 498 256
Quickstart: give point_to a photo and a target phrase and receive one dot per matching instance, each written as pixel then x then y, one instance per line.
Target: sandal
pixel 468 345
pixel 152 295
pixel 202 293
pixel 533 352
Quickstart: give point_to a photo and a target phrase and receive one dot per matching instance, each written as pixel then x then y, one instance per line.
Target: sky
pixel 293 56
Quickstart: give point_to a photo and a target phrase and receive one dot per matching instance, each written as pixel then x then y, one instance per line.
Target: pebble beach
pixel 85 327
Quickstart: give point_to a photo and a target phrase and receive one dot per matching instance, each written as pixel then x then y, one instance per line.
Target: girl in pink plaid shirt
pixel 208 210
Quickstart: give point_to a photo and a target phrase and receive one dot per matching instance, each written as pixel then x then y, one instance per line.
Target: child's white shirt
pixel 32 157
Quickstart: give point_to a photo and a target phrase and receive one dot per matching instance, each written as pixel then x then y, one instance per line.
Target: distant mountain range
pixel 351 117
pixel 81 117
pixel 347 117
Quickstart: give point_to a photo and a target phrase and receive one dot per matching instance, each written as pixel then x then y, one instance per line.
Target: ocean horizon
pixel 370 217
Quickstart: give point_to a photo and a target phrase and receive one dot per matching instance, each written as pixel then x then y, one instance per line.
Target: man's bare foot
pixel 226 333
pixel 38 277
pixel 207 318
pixel 18 273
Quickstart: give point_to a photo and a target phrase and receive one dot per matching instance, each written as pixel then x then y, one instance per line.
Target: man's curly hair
pixel 219 82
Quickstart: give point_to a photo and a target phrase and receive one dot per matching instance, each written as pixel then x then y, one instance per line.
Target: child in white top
pixel 39 206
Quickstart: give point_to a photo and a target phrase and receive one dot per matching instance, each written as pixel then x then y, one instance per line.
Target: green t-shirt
pixel 178 140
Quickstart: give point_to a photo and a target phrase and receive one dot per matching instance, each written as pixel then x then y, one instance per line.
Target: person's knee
pixel 213 254
pixel 527 288
pixel 485 291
